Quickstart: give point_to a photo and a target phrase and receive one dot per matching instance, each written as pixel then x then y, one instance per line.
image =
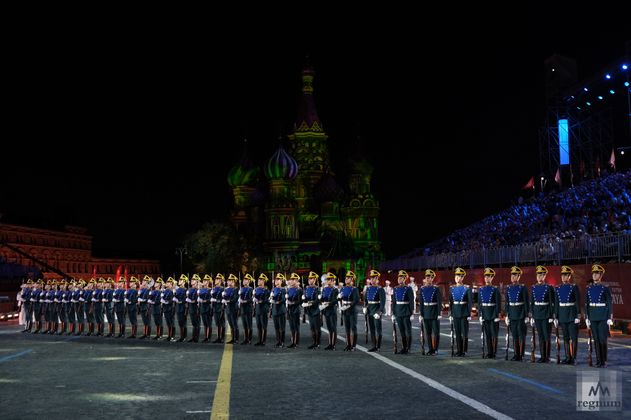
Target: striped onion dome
pixel 281 165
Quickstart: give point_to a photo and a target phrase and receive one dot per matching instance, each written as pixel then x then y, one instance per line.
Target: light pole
pixel 181 251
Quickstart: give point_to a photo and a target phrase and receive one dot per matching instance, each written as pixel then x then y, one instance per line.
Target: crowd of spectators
pixel 594 207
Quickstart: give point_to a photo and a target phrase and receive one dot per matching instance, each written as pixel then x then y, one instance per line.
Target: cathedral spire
pixel 308 119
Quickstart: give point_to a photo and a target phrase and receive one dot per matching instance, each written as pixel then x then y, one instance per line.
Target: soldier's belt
pixel 430 303
pixel 567 304
pixel 515 303
pixel 403 303
pixel 373 302
pixel 459 302
pixel 542 303
pixel 346 302
pixel 488 304
pixel 597 304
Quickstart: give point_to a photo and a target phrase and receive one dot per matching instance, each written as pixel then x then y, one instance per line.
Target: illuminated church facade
pixel 298 212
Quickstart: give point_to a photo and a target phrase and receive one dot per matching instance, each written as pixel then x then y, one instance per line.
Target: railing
pixel 586 248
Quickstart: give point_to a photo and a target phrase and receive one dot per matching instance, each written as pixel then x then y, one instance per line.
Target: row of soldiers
pixel 97 301
pixel 541 308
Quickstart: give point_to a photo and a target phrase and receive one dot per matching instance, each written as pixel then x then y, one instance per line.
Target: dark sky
pixel 448 117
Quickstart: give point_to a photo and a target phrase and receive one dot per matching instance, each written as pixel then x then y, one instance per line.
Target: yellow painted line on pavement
pixel 221 401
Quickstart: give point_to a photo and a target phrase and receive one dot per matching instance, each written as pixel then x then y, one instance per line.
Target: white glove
pixel 577 321
pixel 325 304
pixel 365 311
pixel 451 318
pixel 319 297
pixel 224 301
pixel 345 307
pixel 532 322
pixel 304 297
pixel 376 316
pixel 393 318
pixel 468 318
pixel 420 319
pixel 439 317
pixel 305 304
pixel 550 320
pixel 223 293
pixel 411 317
pixel 507 321
pixel 496 320
pixel 321 307
pixel 556 323
pixel 481 320
pixel 526 320
pixel 587 323
pixel 610 322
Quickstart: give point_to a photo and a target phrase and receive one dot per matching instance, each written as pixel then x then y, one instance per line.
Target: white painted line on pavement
pixel 485 409
pixel 201 382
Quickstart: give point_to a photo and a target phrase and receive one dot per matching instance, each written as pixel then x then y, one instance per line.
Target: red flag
pixel 118 273
pixel 94 272
pixel 126 281
pixel 557 177
pixel 612 160
pixel 529 184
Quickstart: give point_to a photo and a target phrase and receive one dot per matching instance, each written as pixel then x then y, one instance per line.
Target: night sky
pixel 448 118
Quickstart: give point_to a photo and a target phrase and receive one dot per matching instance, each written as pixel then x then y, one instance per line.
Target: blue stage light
pixel 611 91
pixel 608 76
pixel 624 67
pixel 600 97
pixel 588 103
pixel 626 84
pixel 578 107
pixel 564 142
pixel 585 89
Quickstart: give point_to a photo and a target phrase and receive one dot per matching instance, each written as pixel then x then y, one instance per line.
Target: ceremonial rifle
pixel 451 323
pixel 589 346
pixel 533 343
pixel 422 338
pixel 508 341
pixel 394 336
pixel 556 332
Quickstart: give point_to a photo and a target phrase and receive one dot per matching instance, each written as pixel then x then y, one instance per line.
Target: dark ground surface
pixel 59 377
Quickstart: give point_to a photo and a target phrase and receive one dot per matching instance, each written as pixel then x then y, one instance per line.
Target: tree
pixel 218 247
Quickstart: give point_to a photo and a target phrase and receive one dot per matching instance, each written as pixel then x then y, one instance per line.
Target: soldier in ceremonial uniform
pixel 517 307
pixel 131 299
pixel 27 305
pixel 88 305
pixel 374 308
pixel 60 298
pixel 389 292
pixel 193 307
pixel 155 307
pixel 460 304
pixel 70 307
pixel 277 299
pixel 180 305
pixel 50 313
pixel 108 296
pixel 293 298
pixel 279 309
pixel 217 310
pixel 143 306
pixel 203 297
pixel 97 305
pixel 310 304
pixel 402 309
pixel 120 306
pixel 542 306
pixel 168 308
pixel 430 304
pixel 261 302
pixel 489 312
pixel 349 298
pixel 231 302
pixel 245 302
pixel 598 313
pixel 568 312
pixel 328 307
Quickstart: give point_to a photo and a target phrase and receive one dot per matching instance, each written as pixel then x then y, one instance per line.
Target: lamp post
pixel 181 251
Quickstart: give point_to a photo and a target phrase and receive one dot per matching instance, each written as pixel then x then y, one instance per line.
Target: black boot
pixel 404 343
pixel 374 344
pixel 516 351
pixel 313 339
pixel 603 355
pixel 264 337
